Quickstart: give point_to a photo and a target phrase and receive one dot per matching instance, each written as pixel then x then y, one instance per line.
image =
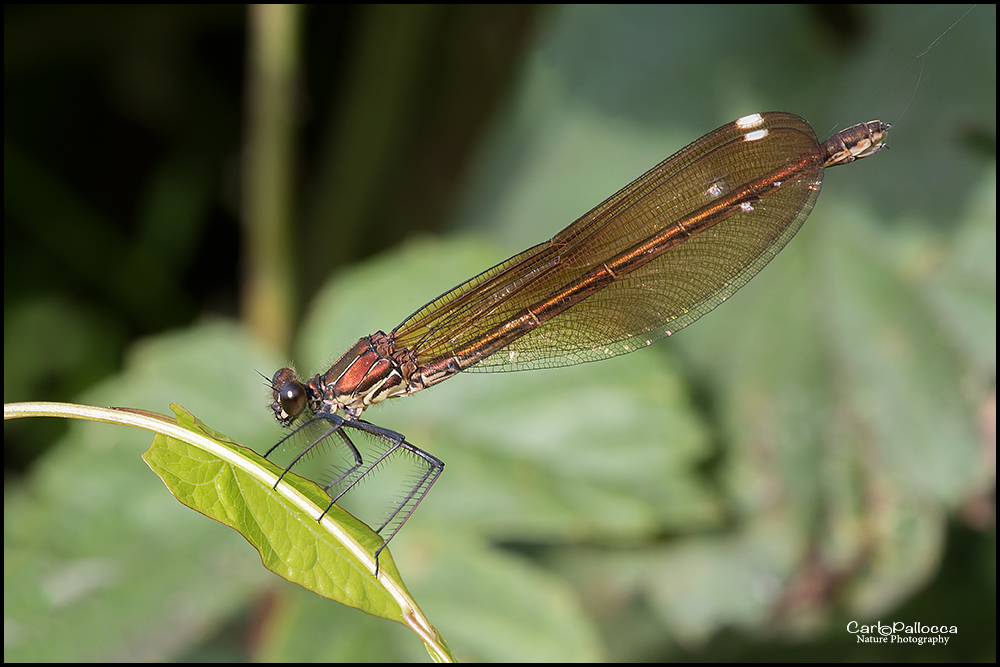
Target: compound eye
pixel 292 397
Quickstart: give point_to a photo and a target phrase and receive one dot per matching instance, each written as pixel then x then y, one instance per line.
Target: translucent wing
pixel 754 180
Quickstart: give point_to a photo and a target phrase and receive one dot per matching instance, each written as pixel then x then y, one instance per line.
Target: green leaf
pixel 208 472
pixel 292 544
pixel 332 557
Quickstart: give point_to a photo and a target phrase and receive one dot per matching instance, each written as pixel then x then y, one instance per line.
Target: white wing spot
pixel 747 122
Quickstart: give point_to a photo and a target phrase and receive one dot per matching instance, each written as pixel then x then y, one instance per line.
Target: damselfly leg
pixel 354 448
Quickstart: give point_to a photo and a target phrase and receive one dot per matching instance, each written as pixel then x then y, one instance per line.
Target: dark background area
pixel 123 131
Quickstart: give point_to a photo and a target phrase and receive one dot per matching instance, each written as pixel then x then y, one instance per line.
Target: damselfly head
pixel 289 396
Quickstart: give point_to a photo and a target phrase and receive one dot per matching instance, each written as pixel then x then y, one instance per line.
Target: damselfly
pixel 657 255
